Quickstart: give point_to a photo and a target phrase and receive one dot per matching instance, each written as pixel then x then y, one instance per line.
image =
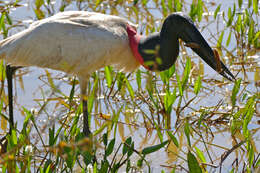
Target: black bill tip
pixel 226 73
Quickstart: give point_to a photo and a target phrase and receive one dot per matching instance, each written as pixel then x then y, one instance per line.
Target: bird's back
pixel 75 42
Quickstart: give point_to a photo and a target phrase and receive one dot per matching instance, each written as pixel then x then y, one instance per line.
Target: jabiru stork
pixel 80 42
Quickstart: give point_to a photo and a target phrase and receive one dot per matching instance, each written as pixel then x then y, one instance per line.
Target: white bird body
pixel 75 42
pixel 80 43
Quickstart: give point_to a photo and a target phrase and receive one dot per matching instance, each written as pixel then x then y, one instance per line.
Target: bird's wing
pixel 74 42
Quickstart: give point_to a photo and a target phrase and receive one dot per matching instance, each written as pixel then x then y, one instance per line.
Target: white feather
pixel 75 42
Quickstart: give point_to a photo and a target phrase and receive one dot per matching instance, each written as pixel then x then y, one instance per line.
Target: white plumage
pixel 76 42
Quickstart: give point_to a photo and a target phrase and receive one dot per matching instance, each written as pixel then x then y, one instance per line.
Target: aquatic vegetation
pixel 185 119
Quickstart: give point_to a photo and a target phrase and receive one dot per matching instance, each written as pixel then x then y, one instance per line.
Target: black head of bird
pixel 165 45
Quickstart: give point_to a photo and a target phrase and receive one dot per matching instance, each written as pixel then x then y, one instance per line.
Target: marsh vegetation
pixel 185 119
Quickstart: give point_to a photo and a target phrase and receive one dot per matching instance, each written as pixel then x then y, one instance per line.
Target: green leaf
pixel 187 132
pixel 38 3
pixel 251 33
pixel 197 85
pixel 39 14
pixel 164 77
pixel 98 2
pixel 249 3
pixel 186 73
pixel 200 10
pixel 178 5
pixel 50 80
pixel 130 88
pixel 138 79
pixel 170 6
pixel 144 2
pixel 154 148
pixel 200 155
pixel 131 150
pixel 57 134
pixel 193 11
pixel 159 133
pixel 29 116
pixel 230 16
pixel 140 162
pixel 251 156
pixel 14 137
pixel 95 168
pixel 216 11
pixel 255 6
pixel 4 169
pixel 235 91
pixel 193 164
pixel 108 76
pixel 47 166
pixel 167 74
pixel 179 84
pixel 104 166
pixel 202 115
pixel 171 71
pixel 229 38
pixel 2 21
pixel 1 105
pixel 2 70
pixel 220 39
pixel 173 138
pixel 153 99
pixel 51 135
pixel 17 170
pixel 72 91
pixel 9 20
pixel 239 23
pixel 169 99
pixel 105 139
pixel 92 96
pixel 164 7
pixel 120 79
pixel 257 36
pixel 249 112
pixel 240 3
pixel 101 129
pixel 110 147
pixel 127 144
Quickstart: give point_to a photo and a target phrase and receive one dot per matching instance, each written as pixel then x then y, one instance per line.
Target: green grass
pixel 182 113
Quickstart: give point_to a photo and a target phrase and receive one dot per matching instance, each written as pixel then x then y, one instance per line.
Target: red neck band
pixel 134 39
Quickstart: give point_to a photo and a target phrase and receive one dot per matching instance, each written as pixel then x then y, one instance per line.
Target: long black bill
pixel 193 39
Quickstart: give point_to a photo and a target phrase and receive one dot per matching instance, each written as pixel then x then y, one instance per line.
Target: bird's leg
pixel 10 70
pixel 83 90
pixel 9 74
pixel 86 129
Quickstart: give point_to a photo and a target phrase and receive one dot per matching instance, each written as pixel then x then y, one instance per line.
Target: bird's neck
pixel 165 43
pixel 134 39
pixel 169 50
pixel 159 52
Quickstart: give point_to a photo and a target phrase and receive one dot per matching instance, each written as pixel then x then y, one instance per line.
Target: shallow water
pixel 34 89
